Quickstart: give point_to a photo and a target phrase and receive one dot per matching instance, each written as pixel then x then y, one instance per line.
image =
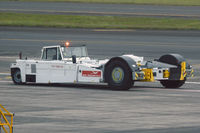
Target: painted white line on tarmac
pixel 198 83
pixel 189 90
pixel 5 74
pixel 6 81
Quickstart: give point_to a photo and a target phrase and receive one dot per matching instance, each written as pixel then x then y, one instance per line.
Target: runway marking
pixel 196 65
pixel 8 77
pixel 198 83
pixel 5 74
pixel 128 43
pixel 119 30
pixel 8 57
pixel 190 90
pixel 104 13
pixel 33 40
pixel 37 40
pixel 5 81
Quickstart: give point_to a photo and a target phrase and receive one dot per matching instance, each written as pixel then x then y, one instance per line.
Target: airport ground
pixel 145 108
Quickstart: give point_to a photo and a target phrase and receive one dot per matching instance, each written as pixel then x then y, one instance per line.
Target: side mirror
pixel 74 59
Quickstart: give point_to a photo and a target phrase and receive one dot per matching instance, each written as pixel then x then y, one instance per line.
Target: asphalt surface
pixel 145 108
pixel 87 109
pixel 101 9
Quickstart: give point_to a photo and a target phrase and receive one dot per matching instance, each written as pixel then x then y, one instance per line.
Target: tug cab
pixel 64 53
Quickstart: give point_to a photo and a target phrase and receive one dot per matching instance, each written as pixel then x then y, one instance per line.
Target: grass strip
pixel 153 2
pixel 107 22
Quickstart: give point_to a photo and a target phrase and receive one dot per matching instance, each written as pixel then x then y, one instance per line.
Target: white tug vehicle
pixel 71 64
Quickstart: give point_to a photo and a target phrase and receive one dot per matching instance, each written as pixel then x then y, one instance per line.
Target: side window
pixel 51 53
pixel 44 54
pixel 59 55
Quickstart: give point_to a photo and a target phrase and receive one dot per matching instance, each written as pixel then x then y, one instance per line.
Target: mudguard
pixel 173 59
pixel 130 63
pixel 125 59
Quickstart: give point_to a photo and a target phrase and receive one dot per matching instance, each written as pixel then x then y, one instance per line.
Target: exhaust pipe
pixel 20 55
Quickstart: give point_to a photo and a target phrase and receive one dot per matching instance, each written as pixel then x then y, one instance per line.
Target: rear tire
pixel 172 83
pixel 118 76
pixel 172 59
pixel 16 77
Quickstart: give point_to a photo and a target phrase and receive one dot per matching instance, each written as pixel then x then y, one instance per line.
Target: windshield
pixel 78 51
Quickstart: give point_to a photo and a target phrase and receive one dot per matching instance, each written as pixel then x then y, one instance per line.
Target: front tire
pixel 118 76
pixel 16 77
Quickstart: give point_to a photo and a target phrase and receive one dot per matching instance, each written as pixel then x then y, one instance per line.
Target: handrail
pixel 4 122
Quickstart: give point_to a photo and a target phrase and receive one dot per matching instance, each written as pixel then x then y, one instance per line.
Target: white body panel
pixel 86 74
pixel 57 71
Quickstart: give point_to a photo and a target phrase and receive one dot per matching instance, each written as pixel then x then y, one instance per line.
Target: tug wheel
pixel 172 59
pixel 118 75
pixel 16 76
pixel 172 83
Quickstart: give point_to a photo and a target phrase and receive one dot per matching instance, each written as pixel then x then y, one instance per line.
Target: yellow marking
pixel 104 13
pixel 192 73
pixel 183 70
pixel 8 77
pixel 136 76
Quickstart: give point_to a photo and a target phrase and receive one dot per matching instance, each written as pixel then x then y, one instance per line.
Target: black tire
pixel 172 83
pixel 172 59
pixel 16 76
pixel 118 75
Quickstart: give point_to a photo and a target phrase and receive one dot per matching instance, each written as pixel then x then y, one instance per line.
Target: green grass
pixel 154 2
pixel 108 22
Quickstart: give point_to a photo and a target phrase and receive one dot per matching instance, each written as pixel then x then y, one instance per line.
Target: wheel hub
pixel 117 74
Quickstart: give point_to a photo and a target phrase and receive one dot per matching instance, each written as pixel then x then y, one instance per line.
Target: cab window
pixel 49 54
